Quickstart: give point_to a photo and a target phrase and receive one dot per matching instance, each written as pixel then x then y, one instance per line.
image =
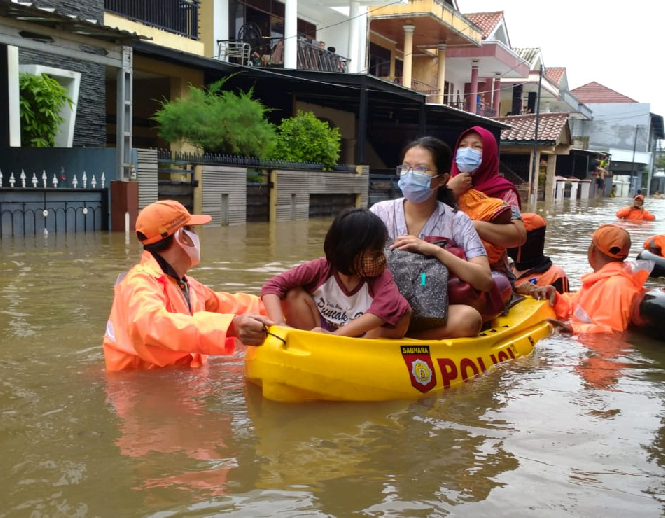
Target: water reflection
pixel 577 423
pixel 164 422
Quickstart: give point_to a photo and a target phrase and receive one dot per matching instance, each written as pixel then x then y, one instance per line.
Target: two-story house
pixel 622 127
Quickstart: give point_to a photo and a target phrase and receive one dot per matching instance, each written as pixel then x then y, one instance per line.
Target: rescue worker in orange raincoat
pixel 656 245
pixel 605 301
pixel 531 266
pixel 160 317
pixel 637 212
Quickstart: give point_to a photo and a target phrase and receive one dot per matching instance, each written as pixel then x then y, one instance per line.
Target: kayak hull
pixel 304 366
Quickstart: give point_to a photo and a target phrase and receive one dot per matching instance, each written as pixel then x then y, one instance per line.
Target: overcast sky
pixel 617 44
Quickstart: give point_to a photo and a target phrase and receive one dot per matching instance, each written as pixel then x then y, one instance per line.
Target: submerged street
pixel 575 429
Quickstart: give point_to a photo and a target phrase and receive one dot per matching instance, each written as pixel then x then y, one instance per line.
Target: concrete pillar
pixel 273 196
pixel 408 54
pixel 354 37
pixel 291 34
pixel 198 190
pixel 533 199
pixel 10 123
pixel 442 74
pixel 573 189
pixel 124 200
pixel 549 180
pixel 362 39
pixel 473 101
pixel 496 96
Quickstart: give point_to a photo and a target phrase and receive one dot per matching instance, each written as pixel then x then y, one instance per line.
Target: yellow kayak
pixel 298 366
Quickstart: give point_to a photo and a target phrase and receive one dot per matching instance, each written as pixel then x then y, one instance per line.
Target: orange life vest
pixel 633 214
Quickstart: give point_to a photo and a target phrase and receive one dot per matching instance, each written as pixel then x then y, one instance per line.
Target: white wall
pixel 71 81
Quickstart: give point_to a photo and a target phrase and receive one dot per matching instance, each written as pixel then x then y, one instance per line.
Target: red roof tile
pixel 596 93
pixel 486 21
pixel 523 127
pixel 555 74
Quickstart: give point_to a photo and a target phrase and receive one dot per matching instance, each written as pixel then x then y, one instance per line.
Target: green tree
pixel 304 138
pixel 42 98
pixel 218 121
pixel 660 162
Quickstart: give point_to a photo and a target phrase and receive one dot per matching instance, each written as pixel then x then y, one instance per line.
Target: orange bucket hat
pixel 161 219
pixel 612 241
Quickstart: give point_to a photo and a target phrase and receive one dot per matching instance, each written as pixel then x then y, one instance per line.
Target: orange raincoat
pixel 151 326
pixel 634 214
pixel 604 303
pixel 480 207
pixel 656 245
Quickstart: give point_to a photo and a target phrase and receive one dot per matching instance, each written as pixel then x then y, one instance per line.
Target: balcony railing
pixel 177 16
pixel 269 52
pixel 419 86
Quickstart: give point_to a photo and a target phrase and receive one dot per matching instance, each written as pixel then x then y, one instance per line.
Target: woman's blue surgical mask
pixel 416 186
pixel 468 159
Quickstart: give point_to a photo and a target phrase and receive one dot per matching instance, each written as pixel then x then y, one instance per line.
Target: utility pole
pixel 633 181
pixel 534 165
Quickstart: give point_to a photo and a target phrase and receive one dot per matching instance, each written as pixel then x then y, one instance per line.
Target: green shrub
pixel 218 122
pixel 305 138
pixel 42 98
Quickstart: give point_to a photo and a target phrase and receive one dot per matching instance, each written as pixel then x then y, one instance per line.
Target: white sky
pixel 617 44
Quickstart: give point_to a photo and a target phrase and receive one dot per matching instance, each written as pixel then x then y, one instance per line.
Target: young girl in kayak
pixel 349 292
pixel 424 173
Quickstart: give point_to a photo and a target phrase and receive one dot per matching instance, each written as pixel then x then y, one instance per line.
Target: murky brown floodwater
pixel 576 429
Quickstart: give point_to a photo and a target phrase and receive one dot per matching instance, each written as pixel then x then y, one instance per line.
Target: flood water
pixel 575 429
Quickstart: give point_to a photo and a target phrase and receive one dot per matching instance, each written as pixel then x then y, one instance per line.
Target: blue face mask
pixel 468 159
pixel 415 186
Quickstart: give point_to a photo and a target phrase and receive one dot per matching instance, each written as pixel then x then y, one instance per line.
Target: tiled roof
pixel 523 127
pixel 486 21
pixel 527 54
pixel 555 74
pixel 596 93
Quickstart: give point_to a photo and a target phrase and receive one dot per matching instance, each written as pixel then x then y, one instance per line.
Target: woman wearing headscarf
pixel 485 195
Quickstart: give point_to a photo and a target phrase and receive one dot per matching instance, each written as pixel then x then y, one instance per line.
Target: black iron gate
pixel 40 211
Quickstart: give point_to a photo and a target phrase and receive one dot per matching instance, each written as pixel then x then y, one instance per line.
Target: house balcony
pixel 435 23
pixel 269 52
pixel 179 17
pixel 493 58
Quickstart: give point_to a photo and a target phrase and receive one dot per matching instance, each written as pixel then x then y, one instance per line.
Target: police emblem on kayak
pixel 421 369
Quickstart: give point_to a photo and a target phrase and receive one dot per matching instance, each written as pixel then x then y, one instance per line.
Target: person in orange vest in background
pixel 637 212
pixel 161 317
pixel 605 301
pixel 530 265
pixel 656 245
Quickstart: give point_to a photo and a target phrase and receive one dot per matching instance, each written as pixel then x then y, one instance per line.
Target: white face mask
pixel 193 251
